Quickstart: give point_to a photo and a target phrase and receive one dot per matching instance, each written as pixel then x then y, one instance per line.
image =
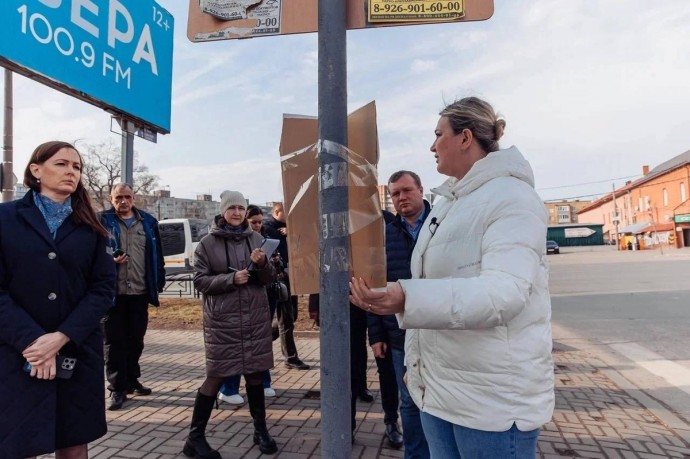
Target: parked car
pixel 552 247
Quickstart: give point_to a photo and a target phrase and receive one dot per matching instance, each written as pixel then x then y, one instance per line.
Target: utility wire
pixel 588 183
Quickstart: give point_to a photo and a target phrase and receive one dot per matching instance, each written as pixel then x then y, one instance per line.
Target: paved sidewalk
pixel 594 417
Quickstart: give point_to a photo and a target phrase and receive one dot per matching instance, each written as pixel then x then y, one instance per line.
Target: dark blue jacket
pixel 155 266
pixel 399 245
pixel 64 284
pixel 271 227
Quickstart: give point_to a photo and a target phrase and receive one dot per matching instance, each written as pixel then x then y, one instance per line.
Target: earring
pixel 38 180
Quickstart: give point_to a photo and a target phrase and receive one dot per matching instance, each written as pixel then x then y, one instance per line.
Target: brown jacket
pixel 237 324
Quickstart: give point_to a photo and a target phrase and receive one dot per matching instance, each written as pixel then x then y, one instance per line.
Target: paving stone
pixel 593 417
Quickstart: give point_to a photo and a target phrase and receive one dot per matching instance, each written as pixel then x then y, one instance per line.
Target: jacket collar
pixel 27 210
pixel 501 163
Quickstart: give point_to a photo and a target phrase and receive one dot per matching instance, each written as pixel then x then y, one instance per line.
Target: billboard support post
pixel 6 173
pixel 127 164
pixel 334 302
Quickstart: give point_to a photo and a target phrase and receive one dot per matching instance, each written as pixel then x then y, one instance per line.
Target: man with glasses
pixel 136 246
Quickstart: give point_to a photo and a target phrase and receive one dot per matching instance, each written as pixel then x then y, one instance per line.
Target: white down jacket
pixel 478 311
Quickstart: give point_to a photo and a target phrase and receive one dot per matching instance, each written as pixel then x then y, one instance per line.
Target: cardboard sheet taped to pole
pixel 299 148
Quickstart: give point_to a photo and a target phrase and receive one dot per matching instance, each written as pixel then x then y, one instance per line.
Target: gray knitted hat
pixel 231 198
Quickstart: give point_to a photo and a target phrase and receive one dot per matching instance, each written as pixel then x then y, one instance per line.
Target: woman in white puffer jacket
pixel 477 311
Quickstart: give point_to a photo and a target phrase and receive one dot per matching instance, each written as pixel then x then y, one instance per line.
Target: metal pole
pixel 615 215
pixel 656 235
pixel 336 440
pixel 127 165
pixel 7 178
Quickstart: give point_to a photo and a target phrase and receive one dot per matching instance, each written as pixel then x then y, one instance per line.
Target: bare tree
pixel 102 169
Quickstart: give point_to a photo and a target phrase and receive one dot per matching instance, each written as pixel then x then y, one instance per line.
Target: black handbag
pixel 278 291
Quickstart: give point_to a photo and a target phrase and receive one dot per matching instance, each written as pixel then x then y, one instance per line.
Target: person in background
pixel 57 279
pixel 230 390
pixel 286 312
pixel 232 272
pixel 386 338
pixel 136 245
pixel 358 356
pixel 477 350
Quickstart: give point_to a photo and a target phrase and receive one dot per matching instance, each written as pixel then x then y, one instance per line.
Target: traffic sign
pixel 225 19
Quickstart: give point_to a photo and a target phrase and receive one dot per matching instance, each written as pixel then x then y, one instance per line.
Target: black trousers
pixel 389 387
pixel 358 352
pixel 124 327
pixel 358 356
pixel 286 315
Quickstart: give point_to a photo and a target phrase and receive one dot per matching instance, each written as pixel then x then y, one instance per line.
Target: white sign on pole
pixel 579 232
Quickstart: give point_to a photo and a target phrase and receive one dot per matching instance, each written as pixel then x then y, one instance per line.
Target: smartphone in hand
pixel 65 366
pixel 118 252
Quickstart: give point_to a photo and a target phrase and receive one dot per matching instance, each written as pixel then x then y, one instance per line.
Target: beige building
pixel 385 199
pixel 564 212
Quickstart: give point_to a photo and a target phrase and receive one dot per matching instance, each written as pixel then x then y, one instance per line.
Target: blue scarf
pixel 55 213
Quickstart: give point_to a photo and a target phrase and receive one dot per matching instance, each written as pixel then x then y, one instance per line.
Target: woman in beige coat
pixel 231 271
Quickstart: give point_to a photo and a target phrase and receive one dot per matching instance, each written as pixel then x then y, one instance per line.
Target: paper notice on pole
pixel 249 17
pixel 402 11
pixel 227 10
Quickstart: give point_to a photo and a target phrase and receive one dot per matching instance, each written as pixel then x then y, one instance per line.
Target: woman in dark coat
pixel 56 282
pixel 232 271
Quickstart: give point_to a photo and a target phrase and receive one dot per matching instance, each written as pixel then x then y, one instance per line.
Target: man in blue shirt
pixel 386 339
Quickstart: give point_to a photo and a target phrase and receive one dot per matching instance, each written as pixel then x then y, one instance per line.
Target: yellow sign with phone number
pixel 415 10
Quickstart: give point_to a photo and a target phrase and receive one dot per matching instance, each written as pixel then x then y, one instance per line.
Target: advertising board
pixel 228 19
pixel 115 54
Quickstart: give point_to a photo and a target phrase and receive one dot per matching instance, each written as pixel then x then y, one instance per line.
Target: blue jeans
pixel 231 386
pixel 450 441
pixel 415 443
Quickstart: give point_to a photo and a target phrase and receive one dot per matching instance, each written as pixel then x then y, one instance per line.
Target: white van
pixel 179 238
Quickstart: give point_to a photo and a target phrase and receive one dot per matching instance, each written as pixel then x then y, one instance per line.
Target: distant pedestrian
pixel 477 310
pixel 136 245
pixel 286 311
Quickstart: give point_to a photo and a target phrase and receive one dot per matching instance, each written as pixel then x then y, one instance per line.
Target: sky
pixel 591 91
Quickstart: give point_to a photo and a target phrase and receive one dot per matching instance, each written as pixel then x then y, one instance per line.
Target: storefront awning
pixel 634 228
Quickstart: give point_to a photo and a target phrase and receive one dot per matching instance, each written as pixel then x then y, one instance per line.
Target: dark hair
pixel 253 210
pixel 479 117
pixel 82 209
pixel 398 175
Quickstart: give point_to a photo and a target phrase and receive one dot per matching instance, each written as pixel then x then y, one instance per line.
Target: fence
pixel 180 285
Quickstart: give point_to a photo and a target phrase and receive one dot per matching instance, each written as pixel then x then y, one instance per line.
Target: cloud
pixel 420 66
pixel 258 180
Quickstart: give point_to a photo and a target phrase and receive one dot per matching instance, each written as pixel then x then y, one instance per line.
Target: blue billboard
pixel 116 54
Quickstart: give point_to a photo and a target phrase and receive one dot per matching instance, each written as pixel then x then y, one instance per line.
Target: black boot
pixel 196 445
pixel 257 408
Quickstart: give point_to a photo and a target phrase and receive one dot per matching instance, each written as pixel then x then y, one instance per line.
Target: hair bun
pixel 499 127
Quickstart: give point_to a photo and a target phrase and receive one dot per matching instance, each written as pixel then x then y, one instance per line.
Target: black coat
pixel 399 246
pixel 272 226
pixel 47 285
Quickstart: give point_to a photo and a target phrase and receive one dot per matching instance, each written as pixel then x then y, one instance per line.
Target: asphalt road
pixel 632 310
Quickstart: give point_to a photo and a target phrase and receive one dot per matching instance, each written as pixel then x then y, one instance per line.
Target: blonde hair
pixel 479 117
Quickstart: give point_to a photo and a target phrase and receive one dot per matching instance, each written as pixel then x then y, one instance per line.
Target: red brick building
pixel 650 211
